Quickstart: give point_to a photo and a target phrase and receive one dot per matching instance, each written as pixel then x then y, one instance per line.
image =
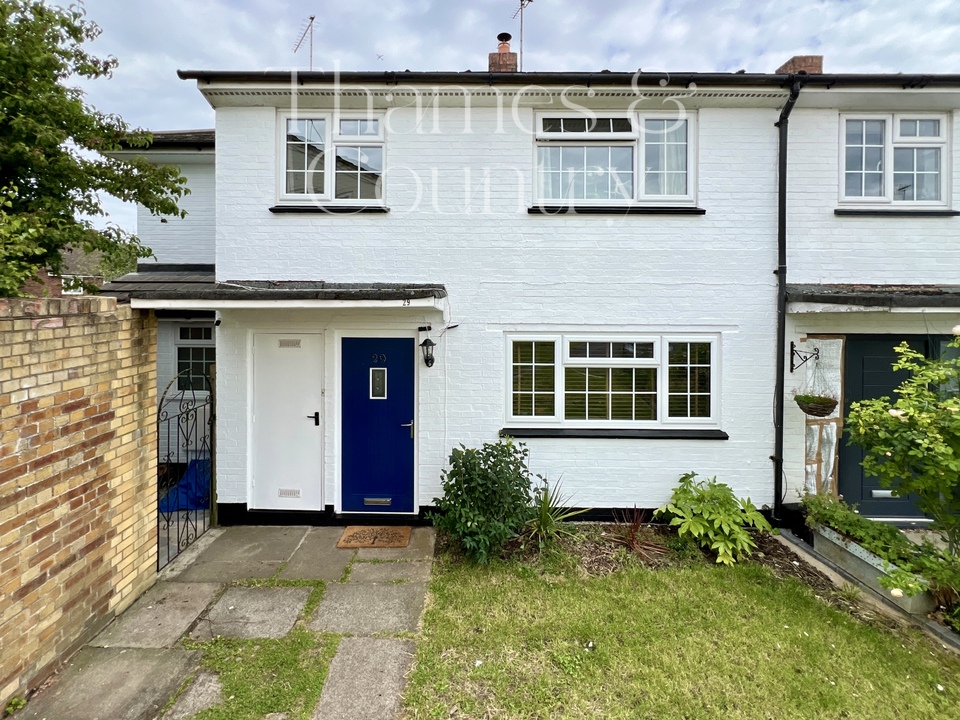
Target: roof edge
pixel 637 79
pixel 167 140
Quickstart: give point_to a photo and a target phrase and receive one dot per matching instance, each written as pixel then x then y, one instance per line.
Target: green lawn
pixel 694 641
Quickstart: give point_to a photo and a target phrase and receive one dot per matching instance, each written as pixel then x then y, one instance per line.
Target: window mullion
pixel 663 372
pixel 560 379
pixel 330 160
pixel 889 186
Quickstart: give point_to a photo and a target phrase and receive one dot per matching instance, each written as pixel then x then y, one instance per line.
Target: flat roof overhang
pixel 155 303
pixel 839 298
pixel 195 288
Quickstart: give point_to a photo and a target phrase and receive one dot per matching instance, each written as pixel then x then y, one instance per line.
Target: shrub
pixel 711 513
pixel 628 529
pixel 913 444
pixel 918 567
pixel 486 497
pixel 550 511
pixel 881 539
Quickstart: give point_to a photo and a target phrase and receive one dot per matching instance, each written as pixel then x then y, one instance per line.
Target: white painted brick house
pixel 594 255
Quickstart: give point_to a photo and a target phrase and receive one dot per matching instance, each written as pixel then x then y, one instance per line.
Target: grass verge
pixel 695 641
pixel 268 676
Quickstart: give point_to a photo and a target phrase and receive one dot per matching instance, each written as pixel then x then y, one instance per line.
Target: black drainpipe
pixel 781 272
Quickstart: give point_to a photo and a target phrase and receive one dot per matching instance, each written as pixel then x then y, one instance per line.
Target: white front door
pixel 287 422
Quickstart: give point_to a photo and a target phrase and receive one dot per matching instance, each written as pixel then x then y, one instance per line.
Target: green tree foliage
pixel 51 167
pixel 20 247
pixel 913 444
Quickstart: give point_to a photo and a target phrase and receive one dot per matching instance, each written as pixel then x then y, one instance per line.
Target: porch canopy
pixel 196 288
pixel 873 298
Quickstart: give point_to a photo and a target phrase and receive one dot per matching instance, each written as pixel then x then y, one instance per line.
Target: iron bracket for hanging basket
pixel 801 355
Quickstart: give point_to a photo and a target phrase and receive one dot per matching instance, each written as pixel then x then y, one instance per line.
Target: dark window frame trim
pixel 615 210
pixel 330 209
pixel 615 433
pixel 878 212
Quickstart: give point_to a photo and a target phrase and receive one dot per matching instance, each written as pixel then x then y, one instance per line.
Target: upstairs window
pixel 614 160
pixel 894 159
pixel 326 158
pixel 616 381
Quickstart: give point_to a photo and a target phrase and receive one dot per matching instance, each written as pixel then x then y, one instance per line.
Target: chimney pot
pixel 802 64
pixel 503 60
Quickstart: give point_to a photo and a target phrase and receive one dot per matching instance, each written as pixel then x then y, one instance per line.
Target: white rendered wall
pixel 825 248
pixel 507 271
pixel 190 239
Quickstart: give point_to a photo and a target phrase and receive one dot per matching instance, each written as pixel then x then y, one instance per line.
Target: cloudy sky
pixel 152 39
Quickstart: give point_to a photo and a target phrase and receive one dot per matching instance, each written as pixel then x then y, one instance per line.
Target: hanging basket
pixel 816 405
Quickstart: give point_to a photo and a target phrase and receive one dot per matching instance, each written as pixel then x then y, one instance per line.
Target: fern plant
pixel 712 514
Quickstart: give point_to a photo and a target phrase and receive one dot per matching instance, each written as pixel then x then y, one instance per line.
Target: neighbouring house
pixel 622 270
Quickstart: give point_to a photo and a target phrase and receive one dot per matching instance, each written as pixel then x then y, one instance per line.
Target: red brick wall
pixel 49 286
pixel 77 476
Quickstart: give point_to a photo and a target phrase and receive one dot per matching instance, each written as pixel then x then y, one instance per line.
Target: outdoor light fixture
pixel 426 347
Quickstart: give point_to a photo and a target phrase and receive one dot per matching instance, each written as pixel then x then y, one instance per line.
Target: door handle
pixel 316 417
pixel 409 425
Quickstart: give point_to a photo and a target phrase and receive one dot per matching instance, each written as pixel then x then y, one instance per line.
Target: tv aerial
pixel 306 30
pixel 519 11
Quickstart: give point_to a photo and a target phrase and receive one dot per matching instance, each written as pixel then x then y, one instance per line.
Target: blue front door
pixel 377 425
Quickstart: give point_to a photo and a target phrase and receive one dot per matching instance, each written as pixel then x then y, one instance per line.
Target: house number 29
pixel 378 358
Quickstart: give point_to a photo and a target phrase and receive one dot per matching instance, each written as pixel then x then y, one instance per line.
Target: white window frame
pixel 633 139
pixel 660 360
pixel 892 141
pixel 178 343
pixel 332 139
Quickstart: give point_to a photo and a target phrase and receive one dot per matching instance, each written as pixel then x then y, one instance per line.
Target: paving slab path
pixel 160 617
pixel 113 684
pixel 243 584
pixel 366 678
pixel 253 612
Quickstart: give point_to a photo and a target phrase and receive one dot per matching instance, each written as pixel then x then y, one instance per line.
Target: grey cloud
pixel 153 38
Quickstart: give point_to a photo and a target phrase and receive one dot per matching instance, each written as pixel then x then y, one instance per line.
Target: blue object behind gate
pixel 192 492
pixel 377 431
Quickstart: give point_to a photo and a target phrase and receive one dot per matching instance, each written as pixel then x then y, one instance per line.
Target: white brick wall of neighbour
pixel 823 248
pixel 190 239
pixel 507 271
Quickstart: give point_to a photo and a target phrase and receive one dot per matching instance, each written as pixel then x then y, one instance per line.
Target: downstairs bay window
pixel 650 381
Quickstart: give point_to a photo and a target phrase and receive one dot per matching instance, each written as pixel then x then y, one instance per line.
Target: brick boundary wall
pixel 78 526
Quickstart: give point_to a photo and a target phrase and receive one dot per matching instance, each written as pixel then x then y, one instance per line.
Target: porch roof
pixel 877 296
pixel 197 288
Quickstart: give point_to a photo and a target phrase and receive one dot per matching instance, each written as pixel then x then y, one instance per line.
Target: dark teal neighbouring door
pixel 377 432
pixel 868 374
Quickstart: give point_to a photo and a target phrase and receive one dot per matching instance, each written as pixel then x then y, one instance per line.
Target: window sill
pixel 615 210
pixel 885 212
pixel 330 209
pixel 613 433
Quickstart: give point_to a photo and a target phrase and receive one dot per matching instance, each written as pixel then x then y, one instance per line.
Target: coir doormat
pixel 363 536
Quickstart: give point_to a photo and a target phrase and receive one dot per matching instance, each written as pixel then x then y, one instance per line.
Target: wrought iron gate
pixel 185 419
